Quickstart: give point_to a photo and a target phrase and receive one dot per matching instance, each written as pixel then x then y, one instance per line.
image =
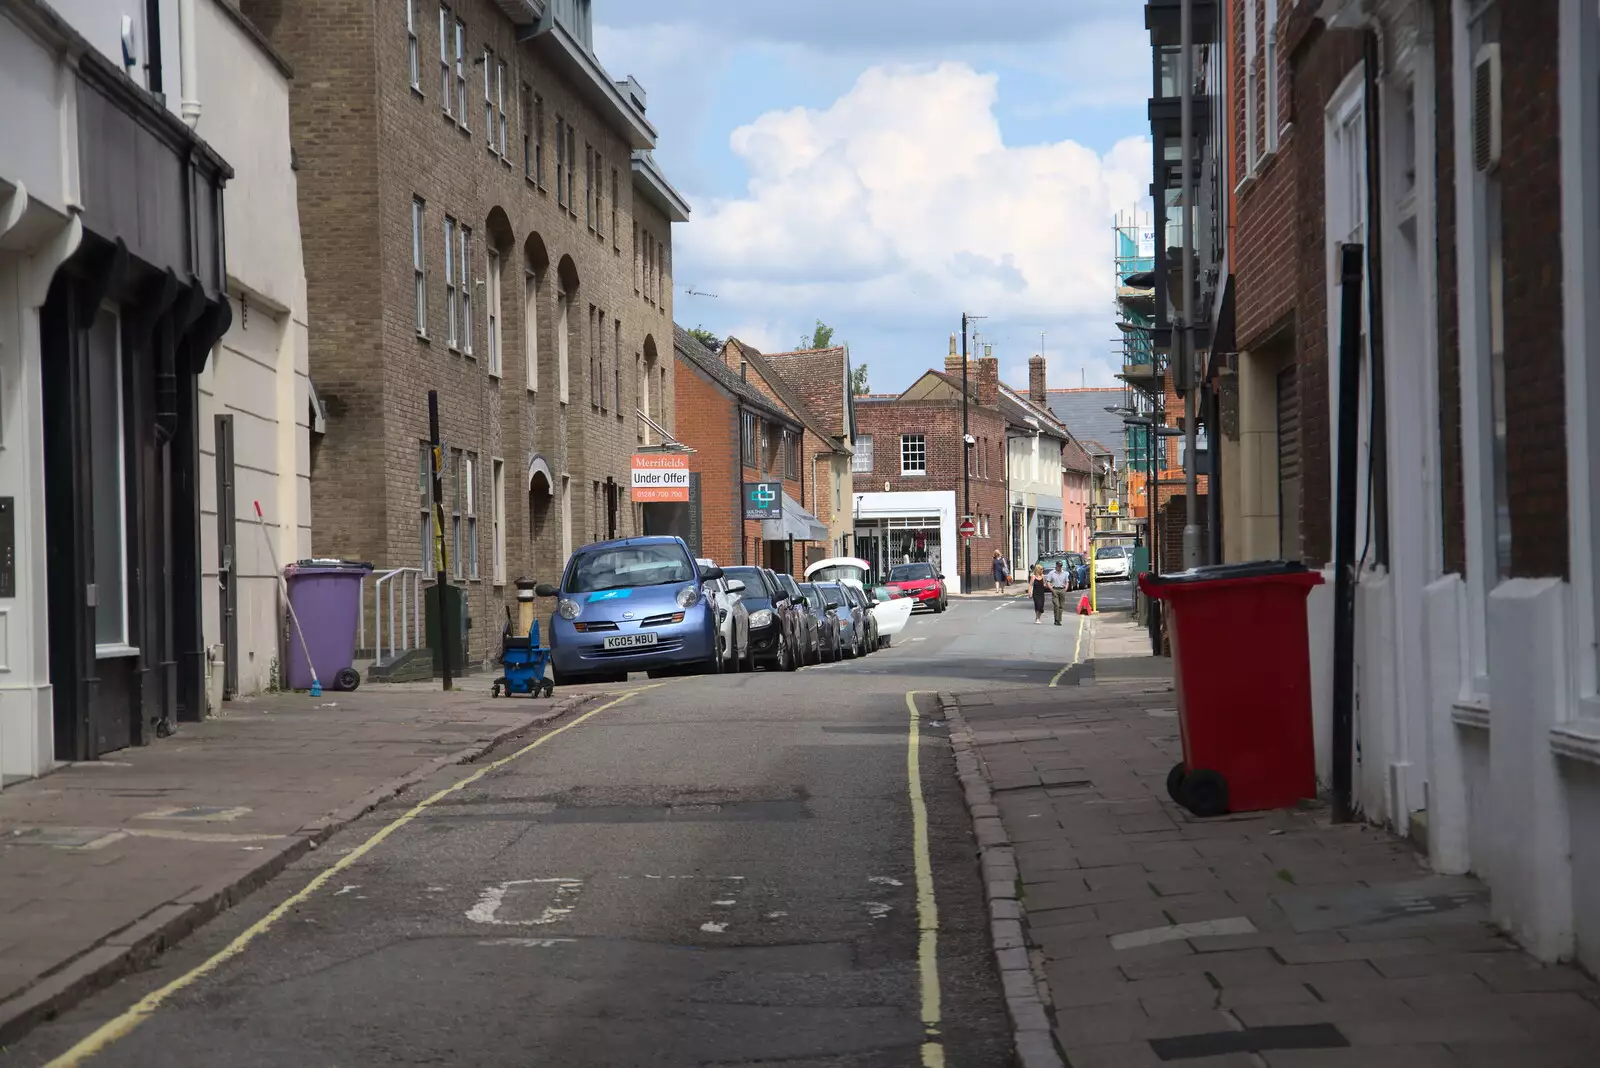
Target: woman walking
pixel 1036 587
pixel 1002 571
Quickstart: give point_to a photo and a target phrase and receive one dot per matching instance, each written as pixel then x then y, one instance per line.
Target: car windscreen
pixel 627 567
pixel 1109 552
pixel 755 583
pixel 883 593
pixel 790 586
pixel 813 598
pixel 1075 559
pixel 910 572
pixel 835 572
pixel 833 596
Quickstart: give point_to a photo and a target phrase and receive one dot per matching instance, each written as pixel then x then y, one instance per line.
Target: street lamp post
pixel 1191 372
pixel 966 459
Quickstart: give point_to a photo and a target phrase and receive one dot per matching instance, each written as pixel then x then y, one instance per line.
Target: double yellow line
pixel 121 1026
pixel 927 907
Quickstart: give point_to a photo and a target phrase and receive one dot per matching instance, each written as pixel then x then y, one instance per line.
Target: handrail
pixel 397 613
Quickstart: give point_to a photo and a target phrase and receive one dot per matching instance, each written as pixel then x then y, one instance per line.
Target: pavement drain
pixel 1249 1040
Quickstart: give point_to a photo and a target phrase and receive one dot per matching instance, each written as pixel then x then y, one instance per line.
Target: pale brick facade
pixel 378 153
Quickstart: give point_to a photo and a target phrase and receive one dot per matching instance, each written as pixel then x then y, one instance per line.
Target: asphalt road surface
pixel 717 871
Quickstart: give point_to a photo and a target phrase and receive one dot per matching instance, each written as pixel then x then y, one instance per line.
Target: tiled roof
pixel 1083 413
pixel 818 376
pixel 1019 409
pixel 1075 458
pixel 792 400
pixel 687 346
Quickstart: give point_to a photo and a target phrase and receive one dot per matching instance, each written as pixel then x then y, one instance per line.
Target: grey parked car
pixel 808 628
pixel 830 645
pixel 852 630
pixel 869 622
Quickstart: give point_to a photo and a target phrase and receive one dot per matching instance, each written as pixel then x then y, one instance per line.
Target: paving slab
pixel 1265 938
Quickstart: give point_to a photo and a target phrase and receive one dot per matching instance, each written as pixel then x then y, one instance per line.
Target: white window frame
pixel 861 460
pixel 451 316
pixel 616 363
pixel 464 265
pixel 419 261
pixel 1270 122
pixel 447 94
pixel 488 98
pixel 1579 51
pixel 491 312
pixel 461 73
pixel 122 647
pixel 1252 91
pixel 563 348
pixel 471 465
pixel 497 489
pixel 500 107
pixel 456 497
pixel 530 328
pixel 425 506
pixel 413 46
pixel 913 449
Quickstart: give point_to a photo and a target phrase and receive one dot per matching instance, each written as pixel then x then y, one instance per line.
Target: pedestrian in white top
pixel 1057 580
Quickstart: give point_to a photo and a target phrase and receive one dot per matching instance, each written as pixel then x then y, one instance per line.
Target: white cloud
pixel 901 204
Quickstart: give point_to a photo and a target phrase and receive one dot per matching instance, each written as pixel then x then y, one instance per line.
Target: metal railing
pixel 396 613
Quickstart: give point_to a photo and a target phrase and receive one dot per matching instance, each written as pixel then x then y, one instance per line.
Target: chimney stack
pixel 1036 380
pixel 986 376
pixel 952 360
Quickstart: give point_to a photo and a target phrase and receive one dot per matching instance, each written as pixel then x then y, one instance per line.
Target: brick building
pixel 741 435
pixel 824 452
pixel 910 444
pixel 820 379
pixel 482 216
pixel 1414 132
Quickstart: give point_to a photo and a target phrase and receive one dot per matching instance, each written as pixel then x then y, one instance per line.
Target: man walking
pixel 1002 571
pixel 1058 581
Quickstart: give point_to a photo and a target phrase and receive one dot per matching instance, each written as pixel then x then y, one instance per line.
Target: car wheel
pixel 716 663
pixel 749 655
pixel 793 661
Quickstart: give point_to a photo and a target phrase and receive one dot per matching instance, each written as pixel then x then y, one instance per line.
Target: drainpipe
pixel 188 65
pixel 1344 535
pixel 1378 491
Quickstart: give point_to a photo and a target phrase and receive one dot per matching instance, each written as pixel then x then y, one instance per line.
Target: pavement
pixel 1274 939
pixel 104 863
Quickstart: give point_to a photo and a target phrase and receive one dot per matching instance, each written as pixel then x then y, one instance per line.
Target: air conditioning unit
pixel 1486 113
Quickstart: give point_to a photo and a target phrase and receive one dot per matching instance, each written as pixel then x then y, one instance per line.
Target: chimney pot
pixel 1036 380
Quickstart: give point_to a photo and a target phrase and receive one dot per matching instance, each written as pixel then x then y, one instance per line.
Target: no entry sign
pixel 968 528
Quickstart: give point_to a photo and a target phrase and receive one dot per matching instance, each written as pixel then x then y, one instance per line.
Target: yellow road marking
pixel 927 907
pixel 121 1026
pixel 1077 652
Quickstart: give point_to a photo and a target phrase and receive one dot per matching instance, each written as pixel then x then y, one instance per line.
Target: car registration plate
pixel 630 641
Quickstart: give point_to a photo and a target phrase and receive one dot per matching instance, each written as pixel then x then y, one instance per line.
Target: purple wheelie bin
pixel 326 596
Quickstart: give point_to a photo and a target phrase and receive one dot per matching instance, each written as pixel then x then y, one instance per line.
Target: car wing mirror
pixel 939 577
pixel 710 574
pixel 544 589
pixel 736 586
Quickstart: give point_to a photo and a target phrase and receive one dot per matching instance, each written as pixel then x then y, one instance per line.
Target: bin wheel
pixel 494 691
pixel 1175 781
pixel 347 679
pixel 549 688
pixel 1205 793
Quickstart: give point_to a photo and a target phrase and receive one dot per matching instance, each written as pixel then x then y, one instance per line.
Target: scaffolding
pixel 1143 370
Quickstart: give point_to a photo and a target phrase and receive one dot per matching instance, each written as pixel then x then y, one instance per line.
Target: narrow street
pixel 705 871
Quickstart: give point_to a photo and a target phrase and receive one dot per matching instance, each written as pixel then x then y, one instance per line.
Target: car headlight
pixel 761 617
pixel 569 609
pixel 688 596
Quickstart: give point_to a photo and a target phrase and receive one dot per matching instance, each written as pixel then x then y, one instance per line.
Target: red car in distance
pixel 921 583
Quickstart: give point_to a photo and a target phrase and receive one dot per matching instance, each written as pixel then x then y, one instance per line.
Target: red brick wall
pixel 1530 177
pixel 940 424
pixel 709 423
pixel 1452 506
pixel 1321 61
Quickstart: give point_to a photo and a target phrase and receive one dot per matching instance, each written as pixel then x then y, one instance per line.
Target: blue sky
pixel 884 165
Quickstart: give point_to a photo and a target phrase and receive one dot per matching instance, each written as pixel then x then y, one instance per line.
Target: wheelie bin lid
pixel 1249 570
pixel 327 567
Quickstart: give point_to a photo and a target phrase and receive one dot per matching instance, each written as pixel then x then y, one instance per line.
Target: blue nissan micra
pixel 638 604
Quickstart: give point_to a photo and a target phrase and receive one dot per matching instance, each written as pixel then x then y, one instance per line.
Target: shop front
pixel 908 528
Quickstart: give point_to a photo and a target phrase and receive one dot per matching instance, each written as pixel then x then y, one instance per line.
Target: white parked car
pixel 1112 562
pixel 733 621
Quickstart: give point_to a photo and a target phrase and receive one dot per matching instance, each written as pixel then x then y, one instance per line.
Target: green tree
pixel 858 380
pixel 821 337
pixel 706 338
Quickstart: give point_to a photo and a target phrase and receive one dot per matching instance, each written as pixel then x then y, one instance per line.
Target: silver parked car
pixel 733 621
pixel 852 630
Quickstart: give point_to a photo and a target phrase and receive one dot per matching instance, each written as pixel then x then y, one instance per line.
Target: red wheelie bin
pixel 1241 661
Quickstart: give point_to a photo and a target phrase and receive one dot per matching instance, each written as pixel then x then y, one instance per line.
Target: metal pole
pixel 439 579
pixel 1191 372
pixel 1346 467
pixel 966 467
